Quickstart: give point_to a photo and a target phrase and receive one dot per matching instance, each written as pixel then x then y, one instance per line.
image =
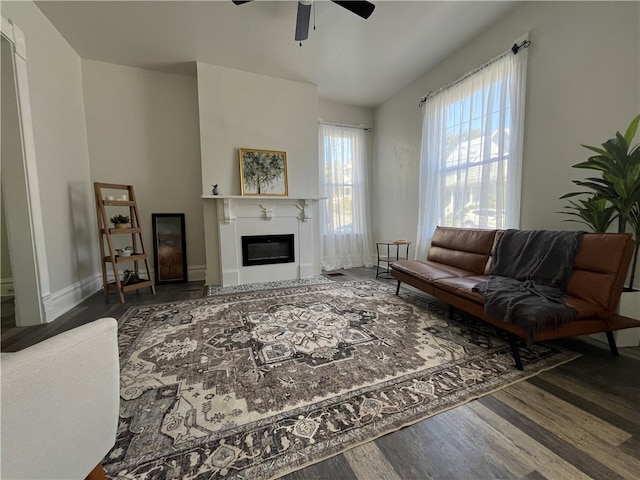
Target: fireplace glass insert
pixel 267 249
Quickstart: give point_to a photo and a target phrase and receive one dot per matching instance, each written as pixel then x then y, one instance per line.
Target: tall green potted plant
pixel 615 195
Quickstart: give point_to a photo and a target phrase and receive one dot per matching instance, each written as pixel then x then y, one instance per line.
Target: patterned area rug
pixel 259 384
pixel 251 287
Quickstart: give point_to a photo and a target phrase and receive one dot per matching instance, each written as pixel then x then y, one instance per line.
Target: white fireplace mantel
pixel 240 215
pixel 266 203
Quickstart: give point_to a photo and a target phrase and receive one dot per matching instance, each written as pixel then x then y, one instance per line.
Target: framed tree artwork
pixel 170 247
pixel 263 172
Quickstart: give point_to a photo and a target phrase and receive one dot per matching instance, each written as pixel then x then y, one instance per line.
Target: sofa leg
pixel 450 311
pixel 97 473
pixel 398 288
pixel 612 344
pixel 514 351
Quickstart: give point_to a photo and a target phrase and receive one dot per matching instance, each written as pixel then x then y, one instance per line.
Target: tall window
pixel 344 217
pixel 471 155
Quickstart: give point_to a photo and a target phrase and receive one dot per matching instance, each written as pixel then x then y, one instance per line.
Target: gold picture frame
pixel 263 172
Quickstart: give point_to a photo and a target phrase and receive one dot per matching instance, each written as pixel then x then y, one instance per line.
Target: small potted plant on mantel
pixel 615 195
pixel 120 221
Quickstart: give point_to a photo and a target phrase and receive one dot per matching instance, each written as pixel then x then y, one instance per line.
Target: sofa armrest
pixel 60 403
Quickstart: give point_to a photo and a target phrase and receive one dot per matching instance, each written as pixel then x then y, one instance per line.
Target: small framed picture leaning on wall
pixel 170 248
pixel 263 172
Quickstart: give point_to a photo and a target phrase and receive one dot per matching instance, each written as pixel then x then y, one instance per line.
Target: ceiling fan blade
pixel 240 2
pixel 361 8
pixel 302 21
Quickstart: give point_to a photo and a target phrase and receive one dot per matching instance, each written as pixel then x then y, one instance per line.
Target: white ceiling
pixel 351 60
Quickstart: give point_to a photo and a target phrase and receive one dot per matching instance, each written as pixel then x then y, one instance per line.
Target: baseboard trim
pixel 63 300
pixel 57 303
pixel 6 287
pixel 197 272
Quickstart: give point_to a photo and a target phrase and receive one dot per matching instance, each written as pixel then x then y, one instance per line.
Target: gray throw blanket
pixel 528 277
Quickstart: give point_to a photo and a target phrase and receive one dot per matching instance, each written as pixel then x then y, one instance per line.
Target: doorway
pixel 22 226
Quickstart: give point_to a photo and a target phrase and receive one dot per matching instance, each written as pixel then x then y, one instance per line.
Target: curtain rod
pixel 346 125
pixel 514 49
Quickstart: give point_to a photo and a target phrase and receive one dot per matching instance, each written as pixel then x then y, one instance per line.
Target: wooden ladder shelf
pixel 121 196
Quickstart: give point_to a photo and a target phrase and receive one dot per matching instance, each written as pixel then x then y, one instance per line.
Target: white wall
pixel 246 110
pixel 582 84
pixel 55 85
pixel 339 113
pixel 143 131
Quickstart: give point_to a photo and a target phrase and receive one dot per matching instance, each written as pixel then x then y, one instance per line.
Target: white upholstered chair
pixel 60 404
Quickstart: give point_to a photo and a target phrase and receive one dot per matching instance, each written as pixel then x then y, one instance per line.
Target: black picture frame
pixel 170 248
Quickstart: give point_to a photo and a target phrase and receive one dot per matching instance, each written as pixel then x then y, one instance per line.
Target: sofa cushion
pixel 596 270
pixel 463 248
pixel 487 267
pixel 462 286
pixel 428 271
pixel 585 309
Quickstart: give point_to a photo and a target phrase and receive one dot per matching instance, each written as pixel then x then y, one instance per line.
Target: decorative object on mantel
pixel 214 189
pixel 120 221
pixel 263 172
pixel 236 394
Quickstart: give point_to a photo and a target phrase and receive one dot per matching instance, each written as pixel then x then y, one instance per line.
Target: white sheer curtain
pixel 344 215
pixel 471 154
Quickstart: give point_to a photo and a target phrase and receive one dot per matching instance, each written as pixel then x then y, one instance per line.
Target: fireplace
pixel 289 220
pixel 267 249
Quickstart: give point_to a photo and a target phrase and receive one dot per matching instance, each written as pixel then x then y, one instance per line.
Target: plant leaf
pixel 631 130
pixel 595 149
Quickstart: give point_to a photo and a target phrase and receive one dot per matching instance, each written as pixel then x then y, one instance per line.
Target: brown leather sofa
pixel 460 258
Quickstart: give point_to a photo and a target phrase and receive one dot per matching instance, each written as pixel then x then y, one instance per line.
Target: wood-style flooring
pixel 7 314
pixel 579 420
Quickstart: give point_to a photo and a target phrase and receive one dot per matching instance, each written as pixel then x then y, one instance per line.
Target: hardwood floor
pixel 7 314
pixel 579 420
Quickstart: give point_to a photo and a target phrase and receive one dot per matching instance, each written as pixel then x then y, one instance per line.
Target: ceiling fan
pixel 361 8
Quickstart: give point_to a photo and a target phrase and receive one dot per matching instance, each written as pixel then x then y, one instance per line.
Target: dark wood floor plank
pixel 556 413
pixel 535 475
pixel 596 410
pixel 620 376
pixel 548 439
pixel 586 432
pixel 11 332
pixel 631 447
pixel 539 458
pixel 627 406
pixel 333 468
pixel 367 461
pixel 440 447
